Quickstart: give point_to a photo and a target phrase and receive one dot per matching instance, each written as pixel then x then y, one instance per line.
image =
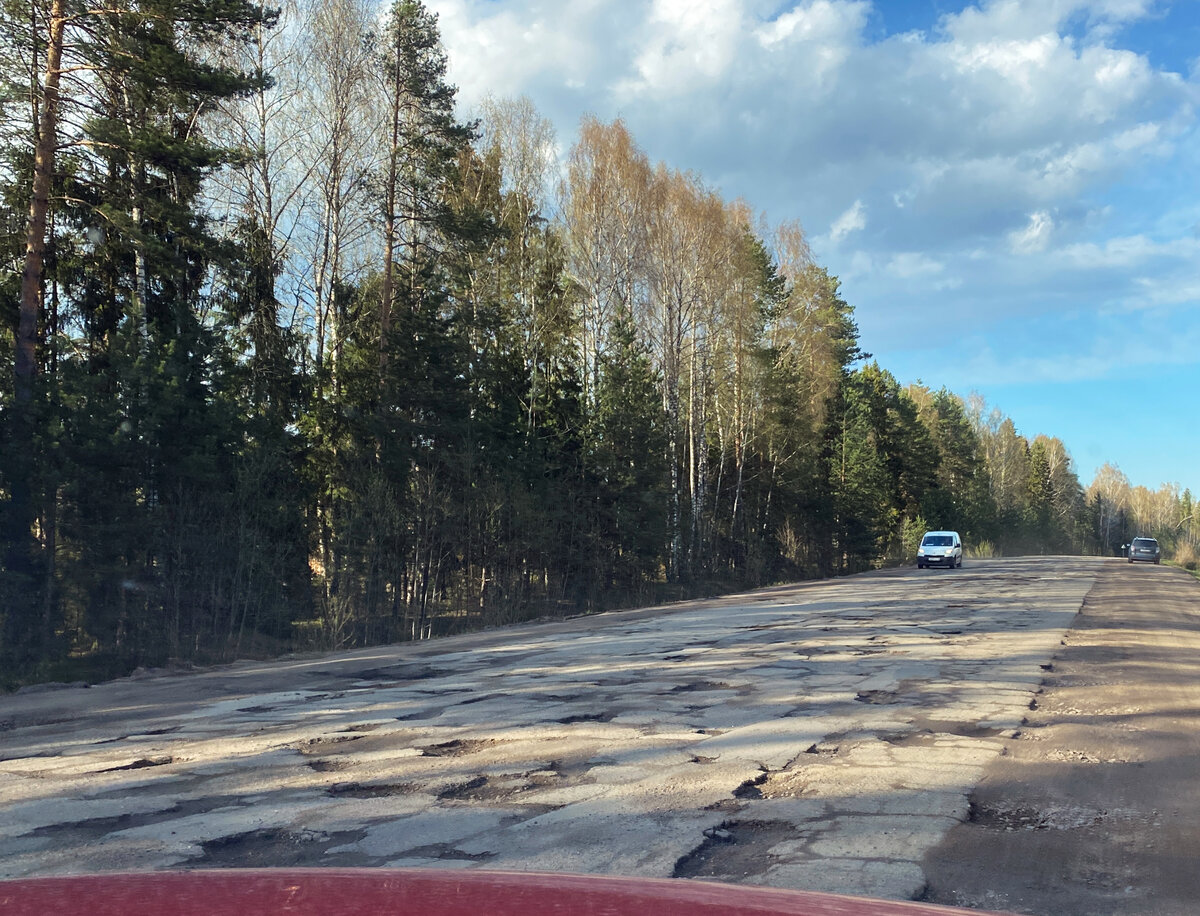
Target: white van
pixel 940 548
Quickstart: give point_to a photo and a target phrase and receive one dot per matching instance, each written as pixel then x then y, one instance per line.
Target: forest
pixel 295 355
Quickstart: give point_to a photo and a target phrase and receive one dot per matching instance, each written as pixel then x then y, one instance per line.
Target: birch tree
pixel 604 216
pixel 339 155
pixel 523 142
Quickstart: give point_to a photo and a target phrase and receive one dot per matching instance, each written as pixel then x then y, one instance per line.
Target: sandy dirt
pixel 1094 809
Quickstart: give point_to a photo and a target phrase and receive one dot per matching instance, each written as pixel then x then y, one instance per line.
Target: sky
pixel 1007 189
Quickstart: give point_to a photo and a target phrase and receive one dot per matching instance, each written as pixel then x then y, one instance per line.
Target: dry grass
pixel 985 549
pixel 1186 556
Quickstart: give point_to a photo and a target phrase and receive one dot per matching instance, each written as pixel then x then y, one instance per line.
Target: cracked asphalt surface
pixel 824 736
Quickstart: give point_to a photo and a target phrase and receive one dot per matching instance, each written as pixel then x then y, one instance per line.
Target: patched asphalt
pixel 824 736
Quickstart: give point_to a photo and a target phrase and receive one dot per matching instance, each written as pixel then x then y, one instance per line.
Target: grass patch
pixel 981 550
pixel 1186 556
pixel 1189 569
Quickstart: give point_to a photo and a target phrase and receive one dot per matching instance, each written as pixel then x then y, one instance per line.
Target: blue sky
pixel 1009 190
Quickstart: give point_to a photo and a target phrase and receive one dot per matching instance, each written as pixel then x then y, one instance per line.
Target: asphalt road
pixel 826 736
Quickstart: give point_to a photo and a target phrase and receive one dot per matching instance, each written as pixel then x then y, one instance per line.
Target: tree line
pixel 295 356
pixel 1119 512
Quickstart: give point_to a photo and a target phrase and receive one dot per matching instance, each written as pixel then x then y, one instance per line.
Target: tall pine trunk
pixel 39 209
pixel 21 548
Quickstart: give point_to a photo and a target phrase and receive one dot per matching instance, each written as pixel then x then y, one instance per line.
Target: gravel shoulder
pixel 1095 807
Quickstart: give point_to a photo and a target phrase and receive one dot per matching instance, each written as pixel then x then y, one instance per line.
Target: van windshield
pixel 937 540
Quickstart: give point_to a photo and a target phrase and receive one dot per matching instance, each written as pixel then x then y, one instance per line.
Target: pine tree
pixel 132 256
pixel 961 500
pixel 859 483
pixel 423 143
pixel 1040 506
pixel 627 456
pixel 390 430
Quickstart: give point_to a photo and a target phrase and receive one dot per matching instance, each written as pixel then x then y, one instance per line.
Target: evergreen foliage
pixel 467 407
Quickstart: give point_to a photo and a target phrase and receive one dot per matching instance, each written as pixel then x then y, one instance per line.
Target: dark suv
pixel 1144 549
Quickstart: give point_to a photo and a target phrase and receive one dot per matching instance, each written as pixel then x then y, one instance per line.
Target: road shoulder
pixel 1095 807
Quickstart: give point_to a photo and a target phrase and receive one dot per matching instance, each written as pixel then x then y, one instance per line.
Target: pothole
pixel 751 788
pixel 446 852
pixel 270 848
pixel 142 763
pixel 329 764
pixel 396 673
pixel 928 731
pixel 96 827
pixel 734 849
pixel 483 698
pixel 511 786
pixel 877 697
pixel 459 747
pixel 1030 818
pixel 572 771
pixel 702 685
pixel 587 717
pixel 323 740
pixel 910 739
pixel 150 732
pixel 477 789
pixel 784 784
pixel 727 806
pixel 823 749
pixel 369 790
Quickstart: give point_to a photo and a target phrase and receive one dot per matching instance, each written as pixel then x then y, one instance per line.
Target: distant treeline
pixel 295 357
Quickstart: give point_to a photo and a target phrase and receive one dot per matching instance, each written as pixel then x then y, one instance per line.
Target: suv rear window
pixel 1145 542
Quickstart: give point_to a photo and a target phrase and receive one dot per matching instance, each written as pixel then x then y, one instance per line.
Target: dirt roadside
pixel 1095 808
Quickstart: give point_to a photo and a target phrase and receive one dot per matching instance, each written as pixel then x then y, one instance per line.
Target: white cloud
pixel 1155 292
pixel 1000 95
pixel 1026 18
pixel 820 21
pixel 502 49
pixel 1003 156
pixel 853 220
pixel 687 44
pixel 822 33
pixel 909 265
pixel 1035 236
pixel 1134 251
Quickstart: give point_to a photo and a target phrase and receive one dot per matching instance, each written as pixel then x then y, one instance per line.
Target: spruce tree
pixel 137 405
pixel 627 456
